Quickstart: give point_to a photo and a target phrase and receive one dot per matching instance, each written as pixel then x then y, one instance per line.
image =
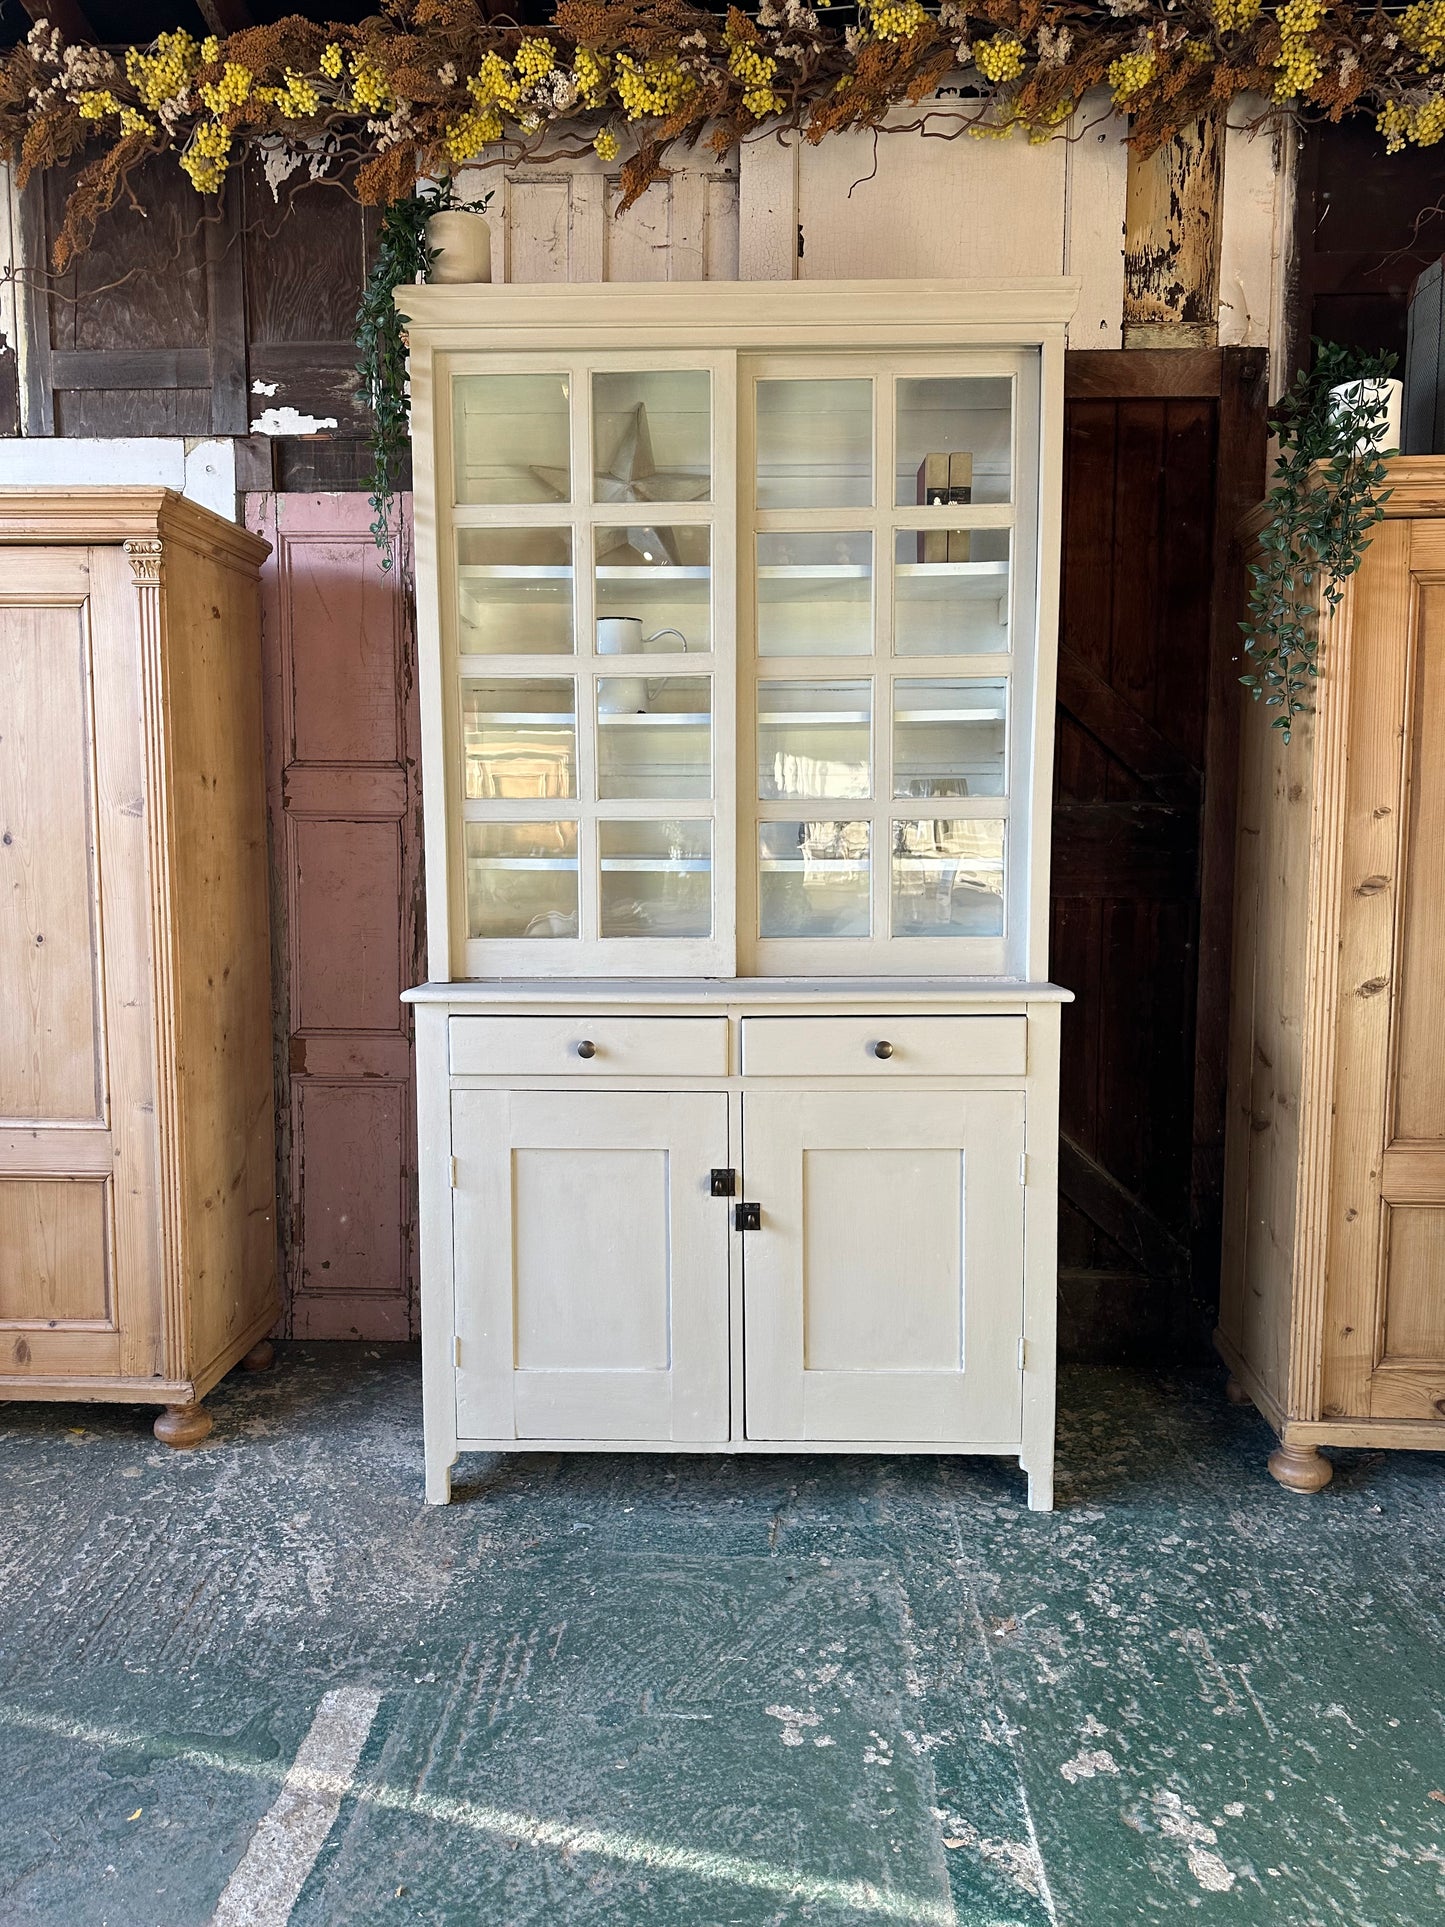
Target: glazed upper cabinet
pixel 738 1069
pixel 1333 1301
pixel 737 662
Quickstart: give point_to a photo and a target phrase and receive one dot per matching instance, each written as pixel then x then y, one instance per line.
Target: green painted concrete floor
pixel 643 1692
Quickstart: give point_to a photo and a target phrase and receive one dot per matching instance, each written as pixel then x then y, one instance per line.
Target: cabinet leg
pixel 1300 1468
pixel 438 1484
pixel 180 1426
pixel 260 1358
pixel 1235 1392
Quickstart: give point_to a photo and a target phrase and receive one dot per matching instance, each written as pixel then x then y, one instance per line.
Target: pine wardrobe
pixel 137 1149
pixel 737 1069
pixel 1332 1313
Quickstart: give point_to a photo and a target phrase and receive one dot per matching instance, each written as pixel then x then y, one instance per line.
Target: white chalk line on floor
pixel 267 1881
pixel 660 1856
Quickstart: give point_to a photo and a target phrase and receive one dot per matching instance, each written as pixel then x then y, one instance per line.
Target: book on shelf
pixel 943 482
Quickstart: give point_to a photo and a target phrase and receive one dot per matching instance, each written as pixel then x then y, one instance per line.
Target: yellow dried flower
pixel 535 59
pixel 1233 16
pixel 589 73
pixel 896 19
pixel 1422 28
pixel 164 75
pixel 1131 73
pixel 133 123
pixel 207 156
pixel 96 104
pixel 331 60
pixel 466 137
pixel 230 90
pixel 494 84
pixel 605 145
pixel 369 88
pixel 655 87
pixel 999 59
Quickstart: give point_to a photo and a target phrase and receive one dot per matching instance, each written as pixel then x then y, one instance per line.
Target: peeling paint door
pixel 345 816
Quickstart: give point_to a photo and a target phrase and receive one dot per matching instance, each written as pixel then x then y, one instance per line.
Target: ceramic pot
pixel 463 246
pixel 1349 394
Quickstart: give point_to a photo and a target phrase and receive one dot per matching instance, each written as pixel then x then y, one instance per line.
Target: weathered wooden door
pixel 591 1263
pixel 883 1298
pixel 1163 451
pixel 345 814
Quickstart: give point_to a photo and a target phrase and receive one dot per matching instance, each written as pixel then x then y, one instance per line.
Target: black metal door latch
pixel 748 1217
pixel 724 1183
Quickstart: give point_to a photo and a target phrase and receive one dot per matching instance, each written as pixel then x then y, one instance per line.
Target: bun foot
pixel 181 1426
pixel 1235 1392
pixel 1300 1468
pixel 260 1358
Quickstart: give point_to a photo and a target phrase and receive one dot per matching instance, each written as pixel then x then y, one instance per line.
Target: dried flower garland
pixel 433 85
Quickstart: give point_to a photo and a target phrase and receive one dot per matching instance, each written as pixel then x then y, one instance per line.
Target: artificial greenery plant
pixel 402 257
pixel 1329 491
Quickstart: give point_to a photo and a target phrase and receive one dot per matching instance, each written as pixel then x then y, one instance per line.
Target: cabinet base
pixel 439 1472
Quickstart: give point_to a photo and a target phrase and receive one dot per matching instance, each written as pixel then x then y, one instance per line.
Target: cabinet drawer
pixel 555 1046
pixel 912 1046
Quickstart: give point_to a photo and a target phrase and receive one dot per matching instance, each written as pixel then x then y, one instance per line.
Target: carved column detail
pixel 146 556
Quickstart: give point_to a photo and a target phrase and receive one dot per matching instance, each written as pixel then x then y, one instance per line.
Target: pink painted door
pixel 344 792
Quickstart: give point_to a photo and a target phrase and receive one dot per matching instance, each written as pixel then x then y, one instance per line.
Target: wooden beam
pixel 226 16
pixel 38 393
pixel 66 16
pixel 226 315
pixel 1132 374
pixel 1126 1220
pixel 1119 728
pixel 1171 240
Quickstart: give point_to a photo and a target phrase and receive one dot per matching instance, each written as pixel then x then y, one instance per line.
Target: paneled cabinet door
pixel 883 1294
pixel 591 1265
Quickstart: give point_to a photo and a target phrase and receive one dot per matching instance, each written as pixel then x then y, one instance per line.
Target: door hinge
pixel 454 1174
pixel 723 1183
pixel 747 1217
pixel 1023 1167
pixel 1023 1354
pixel 456 1351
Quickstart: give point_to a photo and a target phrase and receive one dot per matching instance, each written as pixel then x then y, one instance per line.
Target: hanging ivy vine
pixel 402 257
pixel 1329 491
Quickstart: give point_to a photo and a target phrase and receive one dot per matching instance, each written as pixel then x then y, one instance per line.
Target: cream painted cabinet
pixel 591 1264
pixel 883 1296
pixel 738 1063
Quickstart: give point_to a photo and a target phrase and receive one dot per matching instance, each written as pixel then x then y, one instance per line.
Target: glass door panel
pixel 948 878
pixel 950 592
pixel 514 592
pixel 815 594
pixel 954 440
pixel 654 736
pixel 814 879
pixel 949 737
pixel 511 438
pixel 814 443
pixel 656 879
pixel 652 436
pixel 654 589
pixel 520 738
pixel 521 879
pixel 814 739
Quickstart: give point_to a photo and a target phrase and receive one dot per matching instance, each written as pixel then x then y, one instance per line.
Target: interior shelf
pixel 653 718
pixel 833 864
